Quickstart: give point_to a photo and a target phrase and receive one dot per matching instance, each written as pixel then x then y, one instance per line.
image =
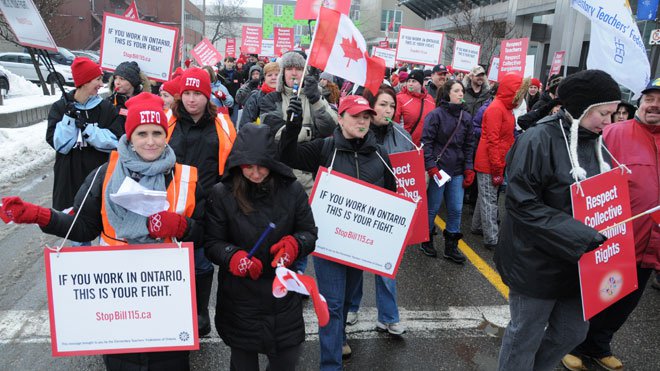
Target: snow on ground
pixel 23 150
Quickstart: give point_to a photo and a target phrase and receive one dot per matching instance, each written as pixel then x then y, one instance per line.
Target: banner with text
pixel 309 9
pixel 466 55
pixel 284 39
pixel 230 47
pixel 206 54
pixel 419 46
pixel 368 234
pixel 152 46
pixel 494 69
pixel 609 272
pixel 513 54
pixel 251 40
pixel 410 173
pixel 27 25
pixel 388 55
pixel 122 299
pixel 384 44
pixel 557 61
pixel 267 48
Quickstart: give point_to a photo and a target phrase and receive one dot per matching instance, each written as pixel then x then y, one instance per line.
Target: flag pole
pixel 647 212
pixel 311 47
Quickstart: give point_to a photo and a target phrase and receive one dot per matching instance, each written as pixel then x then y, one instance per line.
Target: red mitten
pixel 434 171
pixel 167 224
pixel 14 209
pixel 285 249
pixel 497 180
pixel 240 265
pixel 220 95
pixel 468 178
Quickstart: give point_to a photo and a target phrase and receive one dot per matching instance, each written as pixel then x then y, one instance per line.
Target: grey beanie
pixel 256 67
pixel 130 71
pixel 327 76
pixel 291 59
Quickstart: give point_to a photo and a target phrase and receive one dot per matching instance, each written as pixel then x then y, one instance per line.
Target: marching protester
pixel 533 93
pixel 633 143
pixel 356 153
pixel 477 90
pixel 438 79
pixel 318 119
pixel 413 103
pixel 541 242
pixel 329 89
pixel 200 137
pixel 82 129
pixel 127 81
pixel 255 190
pixel 169 92
pixel 394 138
pixel 251 85
pixel 219 94
pixel 144 156
pixel 232 79
pixel 550 92
pixel 251 106
pixel 449 145
pixel 497 130
pixel 624 111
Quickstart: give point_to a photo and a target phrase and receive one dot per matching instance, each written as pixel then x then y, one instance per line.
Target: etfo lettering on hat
pixel 150 117
pixel 192 82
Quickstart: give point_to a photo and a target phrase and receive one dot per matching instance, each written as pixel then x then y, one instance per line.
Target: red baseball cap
pixel 354 104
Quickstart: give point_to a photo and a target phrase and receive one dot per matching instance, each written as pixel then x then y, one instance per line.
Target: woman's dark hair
pixel 241 188
pixel 178 108
pixel 383 89
pixel 629 108
pixel 443 95
pixel 211 73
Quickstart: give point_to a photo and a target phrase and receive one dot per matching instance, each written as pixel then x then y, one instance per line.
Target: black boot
pixel 203 284
pixel 427 247
pixel 451 247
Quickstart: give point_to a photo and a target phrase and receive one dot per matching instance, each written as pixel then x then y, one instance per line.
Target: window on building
pixel 298 30
pixel 387 16
pixel 277 10
pixel 354 11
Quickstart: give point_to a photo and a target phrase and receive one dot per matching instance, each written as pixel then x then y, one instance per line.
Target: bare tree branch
pixel 48 10
pixel 226 16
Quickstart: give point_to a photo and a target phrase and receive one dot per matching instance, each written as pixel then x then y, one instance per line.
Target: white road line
pixel 32 326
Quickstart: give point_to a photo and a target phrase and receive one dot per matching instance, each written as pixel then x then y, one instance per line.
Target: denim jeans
pixel 452 192
pixel 541 332
pixel 485 214
pixel 337 283
pixel 202 264
pixel 300 264
pixel 388 310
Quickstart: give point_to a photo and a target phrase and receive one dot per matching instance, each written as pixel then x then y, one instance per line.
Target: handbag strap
pixel 421 111
pixel 453 134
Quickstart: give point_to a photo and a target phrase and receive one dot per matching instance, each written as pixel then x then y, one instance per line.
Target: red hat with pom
pixel 536 82
pixel 173 86
pixel 196 79
pixel 84 70
pixel 144 108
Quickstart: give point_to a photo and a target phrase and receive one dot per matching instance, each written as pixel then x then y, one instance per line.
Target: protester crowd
pixel 251 134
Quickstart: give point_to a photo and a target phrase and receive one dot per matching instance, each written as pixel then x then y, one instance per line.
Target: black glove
pixel 71 110
pixel 80 124
pixel 294 112
pixel 253 84
pixel 546 108
pixel 311 89
pixel 597 241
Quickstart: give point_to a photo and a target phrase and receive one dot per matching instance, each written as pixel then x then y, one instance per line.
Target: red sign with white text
pixel 411 183
pixel 251 40
pixel 384 44
pixel 309 9
pixel 283 40
pixel 607 273
pixel 557 61
pixel 206 54
pixel 230 48
pixel 513 55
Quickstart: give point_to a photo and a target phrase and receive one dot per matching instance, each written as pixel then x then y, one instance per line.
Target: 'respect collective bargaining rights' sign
pixel 150 45
pixel 513 54
pixel 122 299
pixel 607 273
pixel 411 183
pixel 360 225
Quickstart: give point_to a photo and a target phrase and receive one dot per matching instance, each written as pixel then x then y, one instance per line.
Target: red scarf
pixel 267 89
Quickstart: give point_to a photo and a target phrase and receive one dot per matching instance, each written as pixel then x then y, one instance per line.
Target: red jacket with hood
pixel 497 127
pixel 409 105
pixel 637 146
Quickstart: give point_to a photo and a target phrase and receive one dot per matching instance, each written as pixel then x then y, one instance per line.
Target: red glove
pixel 220 95
pixel 14 209
pixel 468 177
pixel 167 224
pixel 497 180
pixel 240 265
pixel 434 171
pixel 285 249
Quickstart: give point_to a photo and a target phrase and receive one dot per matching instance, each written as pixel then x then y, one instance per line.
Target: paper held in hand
pixel 134 197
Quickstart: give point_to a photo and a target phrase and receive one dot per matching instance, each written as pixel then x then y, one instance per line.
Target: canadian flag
pixel 287 280
pixel 131 11
pixel 655 214
pixel 338 48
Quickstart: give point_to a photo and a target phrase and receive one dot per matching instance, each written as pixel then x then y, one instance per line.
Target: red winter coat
pixel 637 146
pixel 497 127
pixel 409 105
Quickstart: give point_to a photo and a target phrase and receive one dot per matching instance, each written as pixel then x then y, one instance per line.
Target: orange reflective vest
pixel 226 136
pixel 180 195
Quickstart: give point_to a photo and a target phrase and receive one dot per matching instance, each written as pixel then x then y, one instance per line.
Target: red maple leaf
pixel 351 50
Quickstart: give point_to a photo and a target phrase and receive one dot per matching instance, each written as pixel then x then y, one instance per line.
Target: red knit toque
pixel 144 108
pixel 536 82
pixel 173 86
pixel 196 79
pixel 84 71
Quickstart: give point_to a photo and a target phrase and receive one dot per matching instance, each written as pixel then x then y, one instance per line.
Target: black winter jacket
pixel 251 107
pixel 540 242
pixel 439 124
pixel 71 169
pixel 248 316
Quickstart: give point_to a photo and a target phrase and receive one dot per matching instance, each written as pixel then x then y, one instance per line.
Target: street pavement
pixel 454 314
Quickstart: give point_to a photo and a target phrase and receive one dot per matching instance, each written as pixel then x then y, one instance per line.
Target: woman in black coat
pixel 257 190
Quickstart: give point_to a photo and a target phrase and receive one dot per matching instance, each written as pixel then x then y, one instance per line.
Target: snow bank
pixel 19 86
pixel 23 150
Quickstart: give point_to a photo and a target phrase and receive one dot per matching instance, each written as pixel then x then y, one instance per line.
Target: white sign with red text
pixel 152 46
pixel 206 54
pixel 388 55
pixel 419 46
pixel 122 299
pixel 466 55
pixel 27 24
pixel 360 225
pixel 267 48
